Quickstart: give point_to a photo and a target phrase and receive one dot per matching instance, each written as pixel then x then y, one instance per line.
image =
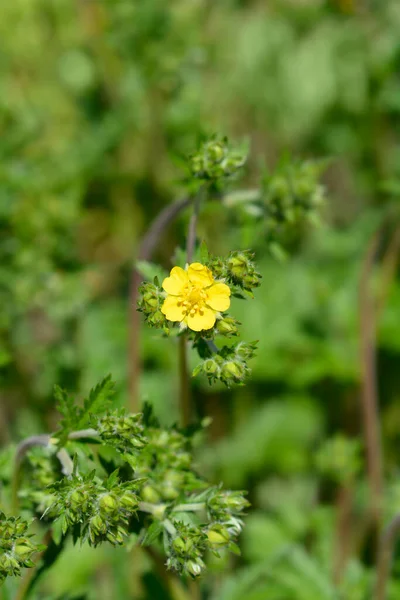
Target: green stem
pixel 184 385
pixel 185 401
pixel 44 440
pixel 385 554
pixel 195 506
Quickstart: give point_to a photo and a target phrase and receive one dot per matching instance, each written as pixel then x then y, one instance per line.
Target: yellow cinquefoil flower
pixel 194 297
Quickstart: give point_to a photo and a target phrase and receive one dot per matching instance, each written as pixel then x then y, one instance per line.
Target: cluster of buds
pixel 292 196
pixel 224 504
pixel 125 432
pixel 227 326
pixel 215 160
pixel 165 463
pixel 229 364
pixel 41 469
pixel 186 549
pixel 101 510
pixel 151 298
pixel 238 269
pixel 340 458
pixel 16 546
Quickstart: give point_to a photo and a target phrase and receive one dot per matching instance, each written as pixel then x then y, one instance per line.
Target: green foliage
pixel 101 104
pixel 17 547
pixel 75 417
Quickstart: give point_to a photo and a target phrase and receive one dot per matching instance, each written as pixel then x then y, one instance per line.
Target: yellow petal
pixel 199 322
pixel 171 310
pixel 175 283
pixel 218 296
pixel 200 275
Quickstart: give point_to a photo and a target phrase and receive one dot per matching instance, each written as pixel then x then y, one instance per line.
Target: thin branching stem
pixel 185 400
pixel 386 548
pixel 369 394
pixel 44 440
pixel 147 246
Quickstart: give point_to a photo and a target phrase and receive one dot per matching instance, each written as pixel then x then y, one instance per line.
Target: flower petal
pixel 175 283
pixel 171 310
pixel 200 275
pixel 218 296
pixel 199 322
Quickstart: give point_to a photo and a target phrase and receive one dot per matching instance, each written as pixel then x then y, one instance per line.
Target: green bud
pixel 9 563
pixel 98 525
pixel 150 494
pixel 216 152
pixel 226 326
pixel 23 548
pixel 159 511
pixel 194 567
pixel 210 366
pixel 76 499
pixel 218 536
pixel 128 500
pixel 108 503
pixel 179 545
pixel 233 370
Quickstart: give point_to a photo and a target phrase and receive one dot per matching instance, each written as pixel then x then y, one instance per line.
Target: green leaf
pixel 204 253
pixel 75 417
pixel 151 271
pixel 152 533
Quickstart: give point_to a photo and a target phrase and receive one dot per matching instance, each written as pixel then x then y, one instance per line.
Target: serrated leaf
pixel 112 480
pixel 150 271
pixel 76 417
pixel 152 533
pixel 96 402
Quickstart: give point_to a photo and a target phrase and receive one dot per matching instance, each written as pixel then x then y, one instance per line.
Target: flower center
pixel 193 300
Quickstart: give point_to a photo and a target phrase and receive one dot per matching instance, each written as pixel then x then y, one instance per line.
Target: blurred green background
pixel 100 102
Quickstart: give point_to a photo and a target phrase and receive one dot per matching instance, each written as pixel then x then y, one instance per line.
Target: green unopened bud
pixel 194 567
pixel 128 500
pixel 108 503
pixel 150 494
pixel 245 350
pixel 233 370
pixel 179 545
pixel 216 152
pixel 159 511
pixel 9 563
pixel 23 548
pixel 98 525
pixel 226 326
pixel 210 366
pixel 76 499
pixel 218 536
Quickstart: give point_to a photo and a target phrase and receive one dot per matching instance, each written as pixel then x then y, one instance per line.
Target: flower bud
pixel 218 536
pixel 233 370
pixel 23 548
pixel 150 494
pixel 108 504
pixel 128 500
pixel 179 545
pixel 98 526
pixel 227 326
pixel 194 567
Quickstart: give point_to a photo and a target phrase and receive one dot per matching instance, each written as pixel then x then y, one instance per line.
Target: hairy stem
pixel 24 587
pixel 172 583
pixel 185 401
pixel 44 440
pixel 184 383
pixel 386 548
pixel 369 394
pixel 147 246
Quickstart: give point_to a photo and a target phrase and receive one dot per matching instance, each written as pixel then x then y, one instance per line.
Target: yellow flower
pixel 194 297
